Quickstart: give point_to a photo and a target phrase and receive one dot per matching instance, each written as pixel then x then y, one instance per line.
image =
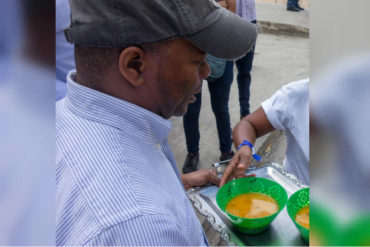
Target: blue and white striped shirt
pixel 117 181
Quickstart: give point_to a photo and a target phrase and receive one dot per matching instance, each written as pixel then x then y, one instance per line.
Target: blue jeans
pixel 244 79
pixel 219 91
pixel 292 3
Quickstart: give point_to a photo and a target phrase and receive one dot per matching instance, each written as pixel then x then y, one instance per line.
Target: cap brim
pixel 230 37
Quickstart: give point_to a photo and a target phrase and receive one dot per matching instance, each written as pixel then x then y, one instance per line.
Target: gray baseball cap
pixel 121 23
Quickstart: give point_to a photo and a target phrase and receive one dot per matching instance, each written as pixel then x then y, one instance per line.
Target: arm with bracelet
pixel 244 137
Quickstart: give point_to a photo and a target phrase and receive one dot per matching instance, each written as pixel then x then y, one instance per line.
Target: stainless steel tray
pixel 282 230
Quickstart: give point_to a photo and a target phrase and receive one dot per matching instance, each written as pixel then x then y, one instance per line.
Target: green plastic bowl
pixel 324 226
pixel 357 233
pixel 298 200
pixel 246 185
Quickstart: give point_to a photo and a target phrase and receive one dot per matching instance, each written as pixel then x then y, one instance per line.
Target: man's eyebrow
pixel 201 54
pixel 200 57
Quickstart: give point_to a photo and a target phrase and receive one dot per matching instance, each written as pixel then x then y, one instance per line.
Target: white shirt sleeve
pixel 276 109
pixel 286 103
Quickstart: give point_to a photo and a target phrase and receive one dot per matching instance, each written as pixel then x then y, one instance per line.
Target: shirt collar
pixel 104 108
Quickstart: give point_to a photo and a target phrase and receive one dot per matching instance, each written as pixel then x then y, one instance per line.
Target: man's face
pixel 179 72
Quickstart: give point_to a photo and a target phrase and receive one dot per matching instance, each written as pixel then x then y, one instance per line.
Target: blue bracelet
pixel 247 143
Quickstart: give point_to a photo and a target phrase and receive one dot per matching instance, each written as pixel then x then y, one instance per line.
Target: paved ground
pixel 303 3
pixel 279 60
pixel 277 13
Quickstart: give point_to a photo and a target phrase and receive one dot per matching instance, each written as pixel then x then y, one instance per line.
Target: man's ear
pixel 131 65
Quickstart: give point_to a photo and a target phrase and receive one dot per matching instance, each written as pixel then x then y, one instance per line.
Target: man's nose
pixel 204 70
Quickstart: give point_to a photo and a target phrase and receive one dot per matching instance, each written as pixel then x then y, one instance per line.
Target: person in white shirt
pixel 287 110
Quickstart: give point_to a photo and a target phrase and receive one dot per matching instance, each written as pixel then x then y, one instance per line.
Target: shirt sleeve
pixel 285 103
pixel 147 230
pixel 276 109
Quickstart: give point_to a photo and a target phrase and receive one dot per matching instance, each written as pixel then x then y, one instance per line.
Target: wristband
pixel 254 154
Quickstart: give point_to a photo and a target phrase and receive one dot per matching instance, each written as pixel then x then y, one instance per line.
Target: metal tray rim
pixel 211 219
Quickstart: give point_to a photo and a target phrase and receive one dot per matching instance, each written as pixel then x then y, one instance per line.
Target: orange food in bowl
pixel 252 205
pixel 303 217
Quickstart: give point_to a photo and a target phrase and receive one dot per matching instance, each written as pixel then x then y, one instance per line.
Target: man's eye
pixel 199 61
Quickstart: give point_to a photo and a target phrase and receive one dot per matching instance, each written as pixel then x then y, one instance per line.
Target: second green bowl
pixel 298 200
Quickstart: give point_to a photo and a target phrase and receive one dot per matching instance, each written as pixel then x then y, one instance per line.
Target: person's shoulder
pixel 97 186
pixel 296 88
pixel 278 108
pixel 80 132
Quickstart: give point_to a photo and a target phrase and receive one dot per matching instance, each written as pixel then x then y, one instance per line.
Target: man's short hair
pixel 95 62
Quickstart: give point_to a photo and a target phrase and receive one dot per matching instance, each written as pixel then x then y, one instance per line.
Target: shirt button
pixel 158 146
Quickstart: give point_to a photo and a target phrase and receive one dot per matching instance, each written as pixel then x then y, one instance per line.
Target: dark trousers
pixel 244 66
pixel 219 91
pixel 292 3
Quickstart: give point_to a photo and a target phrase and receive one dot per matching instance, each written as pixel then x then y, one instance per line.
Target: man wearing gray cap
pixel 137 64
